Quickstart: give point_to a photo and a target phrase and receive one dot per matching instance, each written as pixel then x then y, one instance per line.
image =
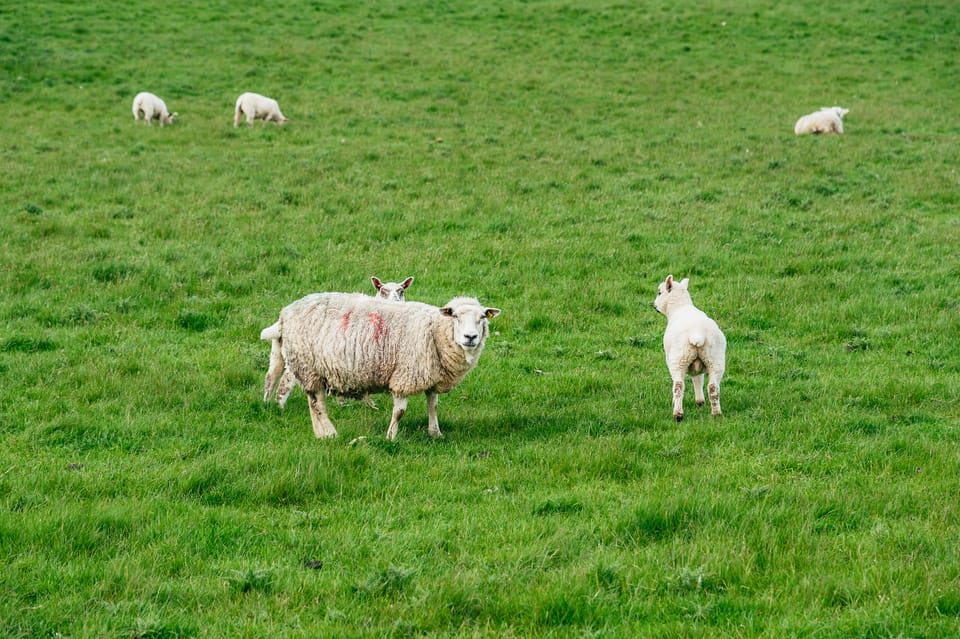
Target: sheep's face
pixel 668 291
pixel 471 322
pixel 391 291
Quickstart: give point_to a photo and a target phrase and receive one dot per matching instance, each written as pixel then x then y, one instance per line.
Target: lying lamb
pixel 152 108
pixel 391 291
pixel 826 120
pixel 692 343
pixel 350 344
pixel 254 106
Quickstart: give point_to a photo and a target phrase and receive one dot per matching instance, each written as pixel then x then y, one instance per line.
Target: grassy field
pixel 556 160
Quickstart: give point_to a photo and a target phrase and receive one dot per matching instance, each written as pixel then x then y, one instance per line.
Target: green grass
pixel 556 160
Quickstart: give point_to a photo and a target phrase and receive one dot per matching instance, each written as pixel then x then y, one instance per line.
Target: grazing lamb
pixel 253 106
pixel 692 343
pixel 826 120
pixel 152 108
pixel 350 344
pixel 391 291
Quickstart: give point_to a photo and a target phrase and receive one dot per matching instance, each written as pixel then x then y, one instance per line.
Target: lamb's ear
pixel 407 282
pixel 669 282
pixel 492 312
pixel 685 283
pixel 446 310
pixel 376 282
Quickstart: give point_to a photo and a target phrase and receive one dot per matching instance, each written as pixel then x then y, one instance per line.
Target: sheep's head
pixel 391 291
pixel 471 321
pixel 669 292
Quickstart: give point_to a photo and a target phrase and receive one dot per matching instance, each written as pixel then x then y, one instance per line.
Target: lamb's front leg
pixel 399 408
pixel 433 425
pixel 286 386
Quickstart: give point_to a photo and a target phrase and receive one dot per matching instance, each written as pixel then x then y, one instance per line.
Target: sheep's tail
pixel 697 339
pixel 271 332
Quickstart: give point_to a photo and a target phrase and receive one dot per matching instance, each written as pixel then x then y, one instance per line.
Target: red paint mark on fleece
pixel 379 326
pixel 346 321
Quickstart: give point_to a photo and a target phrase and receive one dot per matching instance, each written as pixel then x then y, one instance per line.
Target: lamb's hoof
pixel 679 417
pixel 699 404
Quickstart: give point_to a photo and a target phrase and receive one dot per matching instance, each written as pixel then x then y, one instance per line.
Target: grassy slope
pixel 557 161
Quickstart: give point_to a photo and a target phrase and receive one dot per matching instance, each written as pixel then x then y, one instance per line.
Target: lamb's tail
pixel 697 339
pixel 271 332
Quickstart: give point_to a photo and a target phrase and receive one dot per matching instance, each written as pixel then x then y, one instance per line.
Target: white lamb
pixel 254 106
pixel 152 108
pixel 826 120
pixel 392 291
pixel 350 344
pixel 693 343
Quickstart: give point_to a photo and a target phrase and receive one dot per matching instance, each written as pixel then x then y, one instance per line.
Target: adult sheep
pixel 351 344
pixel 254 106
pixel 827 120
pixel 152 108
pixel 392 291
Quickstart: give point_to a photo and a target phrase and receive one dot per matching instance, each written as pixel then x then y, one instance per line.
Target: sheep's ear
pixel 685 283
pixel 669 282
pixel 376 282
pixel 446 310
pixel 407 282
pixel 492 312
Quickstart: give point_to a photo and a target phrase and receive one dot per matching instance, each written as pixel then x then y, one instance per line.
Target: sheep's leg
pixel 322 426
pixel 275 370
pixel 698 389
pixel 369 402
pixel 287 384
pixel 678 386
pixel 399 408
pixel 713 389
pixel 433 426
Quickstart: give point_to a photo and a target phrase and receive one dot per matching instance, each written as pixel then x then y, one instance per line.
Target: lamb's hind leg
pixel 322 426
pixel 698 389
pixel 678 386
pixel 399 408
pixel 287 384
pixel 713 389
pixel 275 370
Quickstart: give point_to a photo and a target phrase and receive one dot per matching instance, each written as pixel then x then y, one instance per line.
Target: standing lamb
pixel 391 291
pixel 152 108
pixel 692 343
pixel 826 120
pixel 350 344
pixel 254 106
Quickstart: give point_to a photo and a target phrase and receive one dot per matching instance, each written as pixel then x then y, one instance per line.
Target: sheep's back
pixel 353 344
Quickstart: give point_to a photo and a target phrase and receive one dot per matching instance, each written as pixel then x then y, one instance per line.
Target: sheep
pixel 152 108
pixel 391 290
pixel 826 120
pixel 350 344
pixel 253 106
pixel 386 290
pixel 692 343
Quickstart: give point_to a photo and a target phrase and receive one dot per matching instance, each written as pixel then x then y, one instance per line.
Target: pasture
pixel 554 159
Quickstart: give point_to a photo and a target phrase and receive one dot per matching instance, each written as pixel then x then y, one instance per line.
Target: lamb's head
pixel 671 294
pixel 391 291
pixel 839 111
pixel 471 321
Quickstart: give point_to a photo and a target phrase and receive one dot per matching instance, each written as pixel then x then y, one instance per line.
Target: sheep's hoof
pixel 679 417
pixel 699 404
